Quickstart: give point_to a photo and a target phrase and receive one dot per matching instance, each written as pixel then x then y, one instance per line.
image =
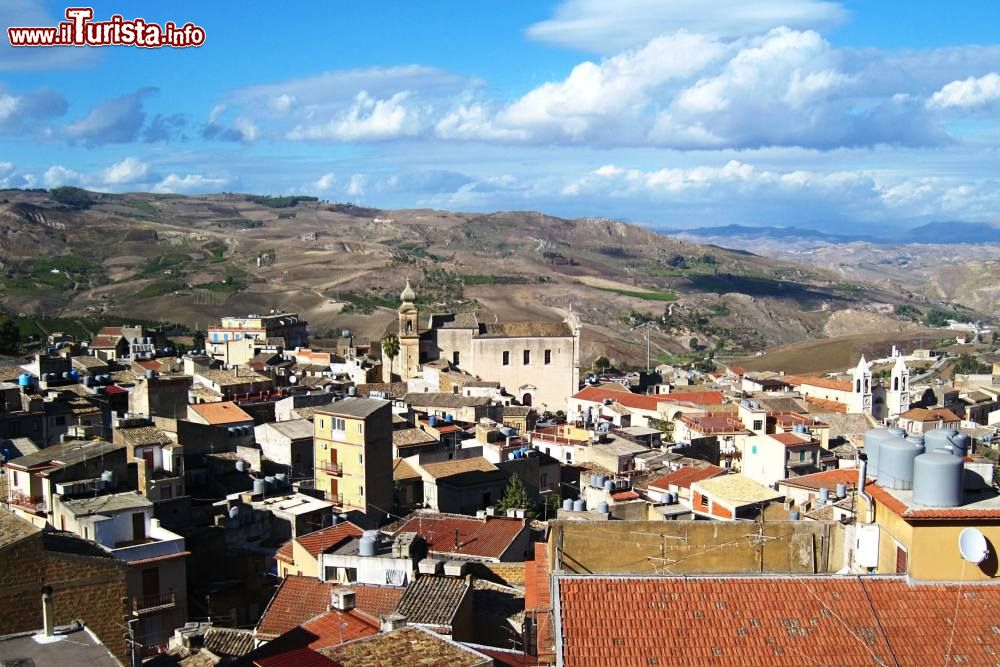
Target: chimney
pixel 47 612
pixel 391 622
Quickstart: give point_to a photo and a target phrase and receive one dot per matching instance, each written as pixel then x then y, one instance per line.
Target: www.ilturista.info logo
pixel 80 30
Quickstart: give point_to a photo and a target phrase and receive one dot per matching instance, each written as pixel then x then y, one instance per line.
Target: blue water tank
pixel 608 485
pixel 74 375
pixel 580 505
pixel 568 504
pixel 259 487
pixel 602 507
pixel 432 420
pixel 793 515
pixel 448 419
pixel 824 496
pixel 24 380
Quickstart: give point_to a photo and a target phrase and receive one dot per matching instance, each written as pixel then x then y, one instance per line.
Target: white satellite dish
pixel 973 546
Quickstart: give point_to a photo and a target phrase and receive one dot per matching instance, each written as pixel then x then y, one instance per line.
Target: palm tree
pixel 390 346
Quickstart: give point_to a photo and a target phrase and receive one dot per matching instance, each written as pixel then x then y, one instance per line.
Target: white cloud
pixel 368 119
pixel 58 175
pixel 356 186
pixel 11 178
pixel 282 103
pixel 325 182
pixel 190 183
pixel 129 170
pixel 970 93
pixel 603 27
pixel 114 121
pixel 22 112
pixel 35 13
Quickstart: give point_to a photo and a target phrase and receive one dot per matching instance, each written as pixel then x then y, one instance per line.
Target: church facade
pixel 536 362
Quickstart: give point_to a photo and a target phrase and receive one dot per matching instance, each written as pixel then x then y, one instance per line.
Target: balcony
pixel 330 467
pixel 336 498
pixel 33 504
pixel 149 604
pixel 158 543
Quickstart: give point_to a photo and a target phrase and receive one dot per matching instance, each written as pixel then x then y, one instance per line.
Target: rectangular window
pixel 361 490
pixel 454 358
pixel 753 449
pixel 527 357
pixel 506 358
pixel 361 427
pixel 361 458
pixel 339 424
pixel 548 357
pixel 802 456
pixel 704 501
pixel 758 424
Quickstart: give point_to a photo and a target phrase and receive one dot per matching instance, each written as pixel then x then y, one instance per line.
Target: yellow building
pixel 353 455
pixel 921 541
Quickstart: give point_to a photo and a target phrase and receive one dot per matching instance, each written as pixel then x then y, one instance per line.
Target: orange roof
pixel 902 509
pixel 812 381
pixel 623 496
pixel 643 402
pixel 684 477
pixel 714 424
pixel 336 627
pixel 829 406
pixel 486 538
pixel 792 439
pixel 320 541
pixel 781 621
pixel 930 415
pixel 827 479
pixel 285 552
pixel 225 412
pixel 299 599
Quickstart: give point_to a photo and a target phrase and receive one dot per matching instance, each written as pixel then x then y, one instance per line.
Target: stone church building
pixel 536 362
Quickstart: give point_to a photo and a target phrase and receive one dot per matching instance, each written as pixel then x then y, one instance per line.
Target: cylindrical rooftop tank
pixel 352 391
pixel 915 439
pixel 568 504
pixel 841 490
pixel 270 481
pixel 940 438
pixel 366 547
pixel 580 505
pixel 65 375
pixel 873 442
pixel 793 515
pixel 824 496
pixel 282 479
pixel 234 512
pixel 432 420
pixel 448 419
pixel 23 380
pixel 937 479
pixel 609 485
pixel 602 507
pixel 259 487
pixel 74 375
pixel 670 497
pixel 895 463
pixel 601 481
pixel 108 476
pixel 240 466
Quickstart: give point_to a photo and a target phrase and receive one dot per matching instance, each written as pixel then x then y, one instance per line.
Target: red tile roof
pixel 336 627
pixel 285 553
pixel 299 599
pixel 902 509
pixel 642 402
pixel 930 415
pixel 485 538
pixel 321 540
pixel 224 412
pixel 827 479
pixel 300 657
pixel 684 477
pixel 792 439
pixel 823 383
pixel 783 621
pixel 101 342
pixel 623 496
pixel 829 406
pixel 710 424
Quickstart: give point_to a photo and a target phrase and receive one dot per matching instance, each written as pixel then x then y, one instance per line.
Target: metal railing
pixel 146 604
pixel 330 467
pixel 34 504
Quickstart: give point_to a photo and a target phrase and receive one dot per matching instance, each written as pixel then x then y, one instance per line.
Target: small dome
pixel 408 295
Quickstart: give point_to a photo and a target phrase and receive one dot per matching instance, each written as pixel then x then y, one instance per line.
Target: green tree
pixel 515 497
pixel 199 340
pixel 10 336
pixel 601 363
pixel 969 365
pixel 390 346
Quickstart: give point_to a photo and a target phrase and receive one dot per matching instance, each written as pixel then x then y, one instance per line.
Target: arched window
pixel 866 385
pixel 895 384
pixel 857 387
pixel 409 326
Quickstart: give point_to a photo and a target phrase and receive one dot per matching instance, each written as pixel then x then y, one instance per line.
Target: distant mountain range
pixel 932 233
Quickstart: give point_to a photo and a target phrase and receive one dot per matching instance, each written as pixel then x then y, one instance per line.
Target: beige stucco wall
pixel 550 385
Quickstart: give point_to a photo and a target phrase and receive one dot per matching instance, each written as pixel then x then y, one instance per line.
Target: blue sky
pixel 842 116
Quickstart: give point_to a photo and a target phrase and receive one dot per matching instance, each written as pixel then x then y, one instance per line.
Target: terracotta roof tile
pixel 321 540
pixel 930 415
pixel 684 477
pixel 830 406
pixel 901 508
pixel 336 627
pixel 623 496
pixel 780 621
pixel 299 599
pixel 224 412
pixel 792 439
pixel 642 402
pixel 285 552
pixel 485 538
pixel 823 383
pixel 406 646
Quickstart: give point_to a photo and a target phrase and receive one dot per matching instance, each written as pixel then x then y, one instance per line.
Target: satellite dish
pixel 292 379
pixel 973 546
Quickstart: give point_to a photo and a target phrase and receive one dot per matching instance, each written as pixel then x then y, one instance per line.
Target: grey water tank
pixel 352 390
pixel 824 496
pixel 580 505
pixel 793 515
pixel 895 463
pixel 601 481
pixel 841 490
pixel 602 507
pixel 568 504
pixel 608 485
pixel 259 487
pixel 915 439
pixel 940 438
pixel 240 466
pixel 670 497
pixel 367 546
pixel 873 443
pixel 937 479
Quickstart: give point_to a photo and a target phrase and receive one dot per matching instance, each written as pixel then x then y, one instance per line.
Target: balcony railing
pixel 336 498
pixel 35 504
pixel 147 604
pixel 332 468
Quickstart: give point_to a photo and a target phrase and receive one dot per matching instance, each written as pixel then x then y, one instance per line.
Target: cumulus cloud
pixel 129 170
pixel 324 183
pixel 603 27
pixel 968 94
pixel 35 13
pixel 10 177
pixel 114 121
pixel 191 183
pixel 368 119
pixel 356 186
pixel 58 175
pixel 165 127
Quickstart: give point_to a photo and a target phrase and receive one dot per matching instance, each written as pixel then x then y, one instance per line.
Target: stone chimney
pixel 48 613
